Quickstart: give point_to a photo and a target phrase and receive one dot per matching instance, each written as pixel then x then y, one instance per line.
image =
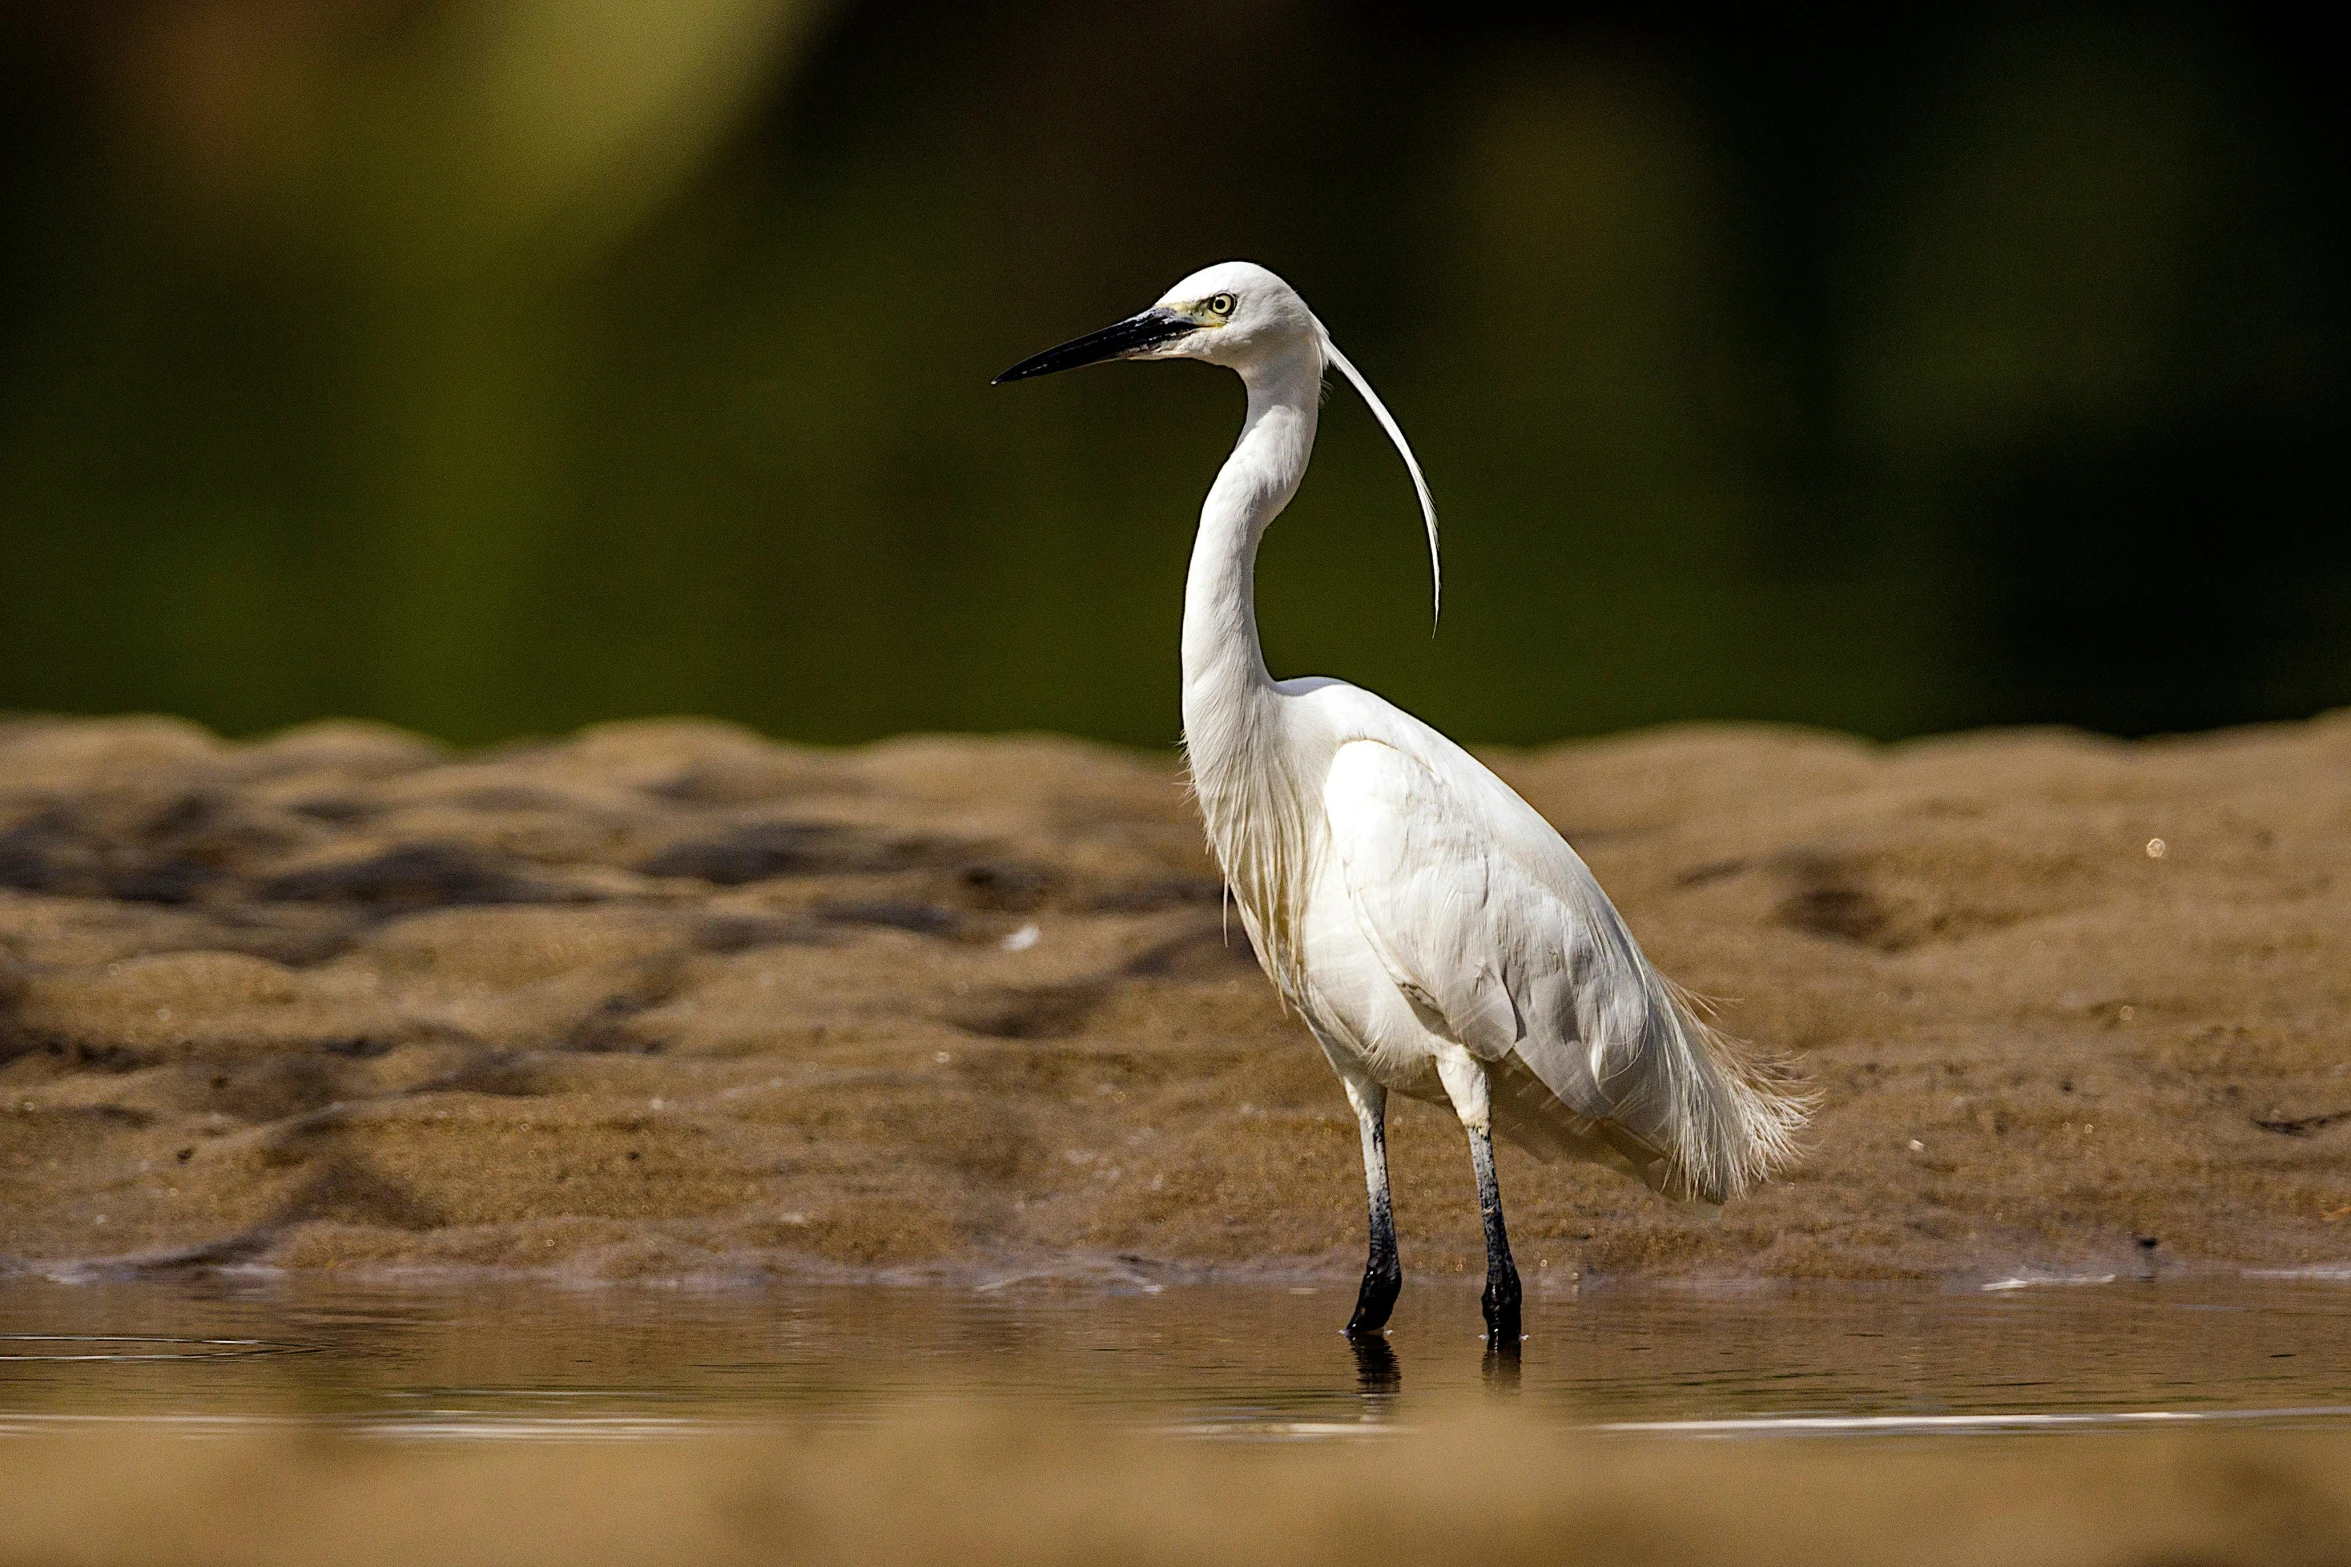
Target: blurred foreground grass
pixel 989 1484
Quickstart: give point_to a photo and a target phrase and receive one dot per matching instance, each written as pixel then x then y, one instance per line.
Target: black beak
pixel 1148 330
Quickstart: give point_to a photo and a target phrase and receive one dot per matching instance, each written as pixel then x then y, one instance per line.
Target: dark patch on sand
pixel 765 850
pixel 409 875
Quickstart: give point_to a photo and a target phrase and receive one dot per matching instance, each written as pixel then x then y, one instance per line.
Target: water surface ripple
pixel 507 1362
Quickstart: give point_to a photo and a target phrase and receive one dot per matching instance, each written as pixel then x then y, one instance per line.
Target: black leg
pixel 1502 1293
pixel 1383 1274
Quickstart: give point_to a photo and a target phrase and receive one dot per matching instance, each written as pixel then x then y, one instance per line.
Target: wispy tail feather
pixel 1733 1112
pixel 1691 1112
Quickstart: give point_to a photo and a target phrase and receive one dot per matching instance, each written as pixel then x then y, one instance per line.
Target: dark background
pixel 499 366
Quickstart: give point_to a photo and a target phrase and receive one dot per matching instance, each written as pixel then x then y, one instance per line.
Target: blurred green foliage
pixel 498 366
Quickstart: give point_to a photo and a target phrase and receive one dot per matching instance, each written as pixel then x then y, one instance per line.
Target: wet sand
pixel 665 1000
pixel 979 1486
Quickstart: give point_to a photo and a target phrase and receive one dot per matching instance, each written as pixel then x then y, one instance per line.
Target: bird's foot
pixel 1382 1281
pixel 1500 1302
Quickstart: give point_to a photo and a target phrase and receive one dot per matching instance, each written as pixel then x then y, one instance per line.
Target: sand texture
pixel 667 1000
pixel 978 1487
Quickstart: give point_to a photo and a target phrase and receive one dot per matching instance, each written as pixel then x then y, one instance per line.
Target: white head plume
pixel 1428 506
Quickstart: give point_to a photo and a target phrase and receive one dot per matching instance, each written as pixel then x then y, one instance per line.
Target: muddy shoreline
pixel 984 1485
pixel 668 1001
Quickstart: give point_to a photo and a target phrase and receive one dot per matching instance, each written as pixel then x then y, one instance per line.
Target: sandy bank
pixel 974 1487
pixel 666 1000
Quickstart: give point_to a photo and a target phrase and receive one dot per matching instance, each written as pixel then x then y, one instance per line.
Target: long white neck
pixel 1224 663
pixel 1232 732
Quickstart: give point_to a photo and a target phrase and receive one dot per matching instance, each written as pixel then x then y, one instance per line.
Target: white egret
pixel 1439 938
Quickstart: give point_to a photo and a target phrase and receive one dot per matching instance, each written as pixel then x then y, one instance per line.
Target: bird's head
pixel 1239 315
pixel 1233 313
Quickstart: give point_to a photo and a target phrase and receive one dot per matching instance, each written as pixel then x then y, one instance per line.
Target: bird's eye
pixel 1222 304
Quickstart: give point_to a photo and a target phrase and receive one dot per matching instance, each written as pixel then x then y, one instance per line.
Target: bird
pixel 1436 934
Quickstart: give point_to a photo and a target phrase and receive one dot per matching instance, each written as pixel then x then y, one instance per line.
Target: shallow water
pixel 505 1361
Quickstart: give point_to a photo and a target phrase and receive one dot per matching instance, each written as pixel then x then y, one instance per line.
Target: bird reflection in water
pixel 1377 1375
pixel 1501 1364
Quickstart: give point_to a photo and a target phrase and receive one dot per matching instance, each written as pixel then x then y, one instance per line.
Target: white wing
pixel 1463 929
pixel 1485 917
